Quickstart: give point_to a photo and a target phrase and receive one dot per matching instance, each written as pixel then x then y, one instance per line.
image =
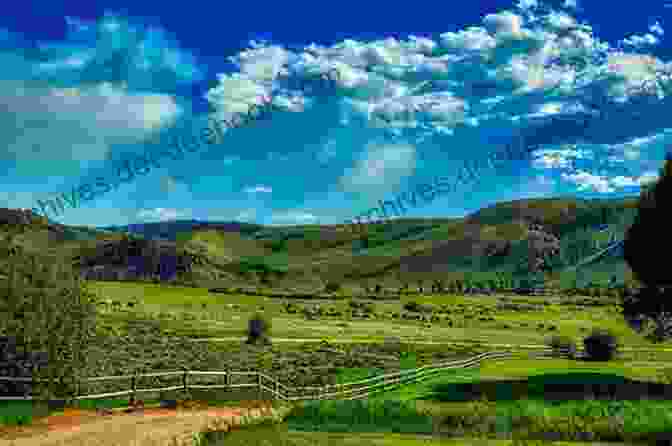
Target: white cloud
pixel 93 91
pixel 79 123
pixel 248 215
pixel 235 93
pixel 647 178
pixel 381 167
pixel 258 189
pixel 589 182
pixel 558 158
pixel 293 217
pixel 161 214
pixel 621 181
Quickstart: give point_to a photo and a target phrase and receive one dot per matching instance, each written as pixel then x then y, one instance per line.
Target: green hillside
pixel 490 241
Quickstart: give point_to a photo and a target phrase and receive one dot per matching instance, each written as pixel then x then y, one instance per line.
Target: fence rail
pixel 371 385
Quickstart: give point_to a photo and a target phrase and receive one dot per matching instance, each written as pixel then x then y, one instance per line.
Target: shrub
pixel 600 346
pixel 50 314
pixel 411 306
pixel 332 287
pixel 562 345
pixel 258 329
pixel 291 307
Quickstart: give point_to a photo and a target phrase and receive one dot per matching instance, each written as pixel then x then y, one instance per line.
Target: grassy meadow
pixel 161 327
pixel 454 320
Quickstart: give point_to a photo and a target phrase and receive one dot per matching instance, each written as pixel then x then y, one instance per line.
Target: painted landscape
pixel 288 224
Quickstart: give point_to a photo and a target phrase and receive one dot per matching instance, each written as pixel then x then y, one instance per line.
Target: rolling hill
pixel 549 235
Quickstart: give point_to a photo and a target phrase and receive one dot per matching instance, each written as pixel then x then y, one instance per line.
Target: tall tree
pixel 47 308
pixel 647 240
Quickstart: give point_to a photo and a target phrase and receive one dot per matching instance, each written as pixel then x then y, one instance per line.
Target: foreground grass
pixel 638 421
pixel 280 435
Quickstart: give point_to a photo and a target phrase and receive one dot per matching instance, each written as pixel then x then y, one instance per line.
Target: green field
pixel 204 330
pixel 409 424
pixel 195 312
pixel 279 435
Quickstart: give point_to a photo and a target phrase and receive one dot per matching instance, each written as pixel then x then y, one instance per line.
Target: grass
pixel 280 435
pixel 180 312
pixel 607 420
pixel 16 413
pixel 181 309
pixel 191 312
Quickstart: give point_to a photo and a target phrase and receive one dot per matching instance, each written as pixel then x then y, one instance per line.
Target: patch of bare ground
pixel 145 427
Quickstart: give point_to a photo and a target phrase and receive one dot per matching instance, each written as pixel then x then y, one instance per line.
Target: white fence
pixel 353 390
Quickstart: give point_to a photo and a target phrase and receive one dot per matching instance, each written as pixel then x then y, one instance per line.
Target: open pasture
pixel 499 321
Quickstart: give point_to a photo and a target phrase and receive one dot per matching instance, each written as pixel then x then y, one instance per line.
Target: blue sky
pixel 85 83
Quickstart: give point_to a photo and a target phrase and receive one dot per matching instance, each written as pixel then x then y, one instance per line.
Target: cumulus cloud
pixel 564 158
pixel 589 182
pixel 438 84
pixel 67 105
pixel 534 70
pixel 80 123
pixel 116 49
pixel 383 166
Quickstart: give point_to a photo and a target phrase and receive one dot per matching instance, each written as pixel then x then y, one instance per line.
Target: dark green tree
pixel 646 243
pixel 600 345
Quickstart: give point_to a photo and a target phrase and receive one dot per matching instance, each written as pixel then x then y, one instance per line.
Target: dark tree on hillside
pixel 647 241
pixel 600 346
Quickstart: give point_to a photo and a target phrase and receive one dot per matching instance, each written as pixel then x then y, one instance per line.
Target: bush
pixel 49 315
pixel 600 346
pixel 258 329
pixel 562 345
pixel 291 308
pixel 418 308
pixel 332 287
pixel 411 306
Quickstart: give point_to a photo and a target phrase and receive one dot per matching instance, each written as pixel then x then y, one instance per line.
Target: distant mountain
pixel 171 229
pixel 549 235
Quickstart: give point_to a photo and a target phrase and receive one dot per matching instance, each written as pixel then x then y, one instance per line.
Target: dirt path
pixel 148 427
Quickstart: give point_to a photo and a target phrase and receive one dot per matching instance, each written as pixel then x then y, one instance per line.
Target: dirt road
pixel 148 427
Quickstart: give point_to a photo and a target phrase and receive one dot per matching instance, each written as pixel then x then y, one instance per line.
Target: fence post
pixel 78 389
pixel 184 381
pixel 259 383
pixel 132 400
pixel 277 390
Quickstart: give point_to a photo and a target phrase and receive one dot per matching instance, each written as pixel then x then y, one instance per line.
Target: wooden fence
pixel 280 391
